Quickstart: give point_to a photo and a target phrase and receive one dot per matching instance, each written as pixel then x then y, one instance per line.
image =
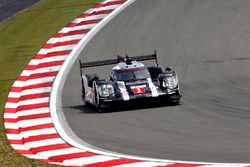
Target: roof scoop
pixel 128 60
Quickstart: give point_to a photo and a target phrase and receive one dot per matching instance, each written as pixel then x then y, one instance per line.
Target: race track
pixel 207 42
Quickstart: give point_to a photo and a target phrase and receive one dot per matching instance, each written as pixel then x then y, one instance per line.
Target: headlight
pixel 106 90
pixel 170 82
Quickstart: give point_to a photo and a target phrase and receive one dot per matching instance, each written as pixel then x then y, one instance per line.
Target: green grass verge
pixel 21 38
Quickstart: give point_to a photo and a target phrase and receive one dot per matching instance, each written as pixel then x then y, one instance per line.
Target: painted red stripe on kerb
pixel 76 32
pixel 52 54
pixel 113 162
pixel 50 147
pixel 10 110
pixel 35 138
pixel 35 86
pixel 22 118
pixel 24 152
pixel 51 45
pixel 109 3
pixel 96 13
pixel 34 96
pixel 33 106
pixel 37 127
pixel 58 53
pixel 43 65
pixel 61 158
pixel 28 97
pixel 42 75
pixel 95 21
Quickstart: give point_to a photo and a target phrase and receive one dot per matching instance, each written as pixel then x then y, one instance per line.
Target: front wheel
pixel 97 101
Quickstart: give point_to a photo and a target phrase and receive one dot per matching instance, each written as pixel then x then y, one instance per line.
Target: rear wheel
pixel 87 104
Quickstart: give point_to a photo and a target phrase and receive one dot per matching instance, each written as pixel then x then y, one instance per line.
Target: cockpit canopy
pixel 130 74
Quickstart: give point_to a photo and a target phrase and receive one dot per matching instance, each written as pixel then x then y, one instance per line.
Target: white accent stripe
pixel 41 70
pixel 88 18
pixel 35 91
pixel 106 7
pixel 27 102
pixel 14 137
pixel 47 60
pixel 33 101
pixel 44 142
pixel 82 27
pixel 152 88
pixel 11 126
pixel 123 90
pixel 88 160
pixel 26 113
pixel 47 154
pixel 10 115
pixel 144 164
pixel 33 111
pixel 34 122
pixel 26 134
pixel 19 147
pixel 33 156
pixel 56 49
pixel 68 38
pixel 39 80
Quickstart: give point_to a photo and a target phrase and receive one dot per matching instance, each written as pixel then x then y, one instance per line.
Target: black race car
pixel 129 81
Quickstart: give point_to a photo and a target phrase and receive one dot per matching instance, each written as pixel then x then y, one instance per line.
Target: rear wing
pixel 118 60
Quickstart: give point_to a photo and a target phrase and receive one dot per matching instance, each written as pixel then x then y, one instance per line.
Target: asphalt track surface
pixel 207 42
pixel 10 7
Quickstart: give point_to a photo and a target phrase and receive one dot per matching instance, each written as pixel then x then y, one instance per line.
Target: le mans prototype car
pixel 129 81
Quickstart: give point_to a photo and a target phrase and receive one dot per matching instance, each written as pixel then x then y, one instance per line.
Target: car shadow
pixel 124 108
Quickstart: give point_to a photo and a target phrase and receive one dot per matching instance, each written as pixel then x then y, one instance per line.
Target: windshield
pixel 135 74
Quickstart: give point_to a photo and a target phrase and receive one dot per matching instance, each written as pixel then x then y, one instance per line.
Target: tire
pixel 97 102
pixel 86 104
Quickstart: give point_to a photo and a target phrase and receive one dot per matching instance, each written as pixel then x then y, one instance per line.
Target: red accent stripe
pixel 22 118
pixel 12 99
pixel 109 4
pixel 37 127
pixel 96 13
pixel 58 53
pixel 61 158
pixel 34 96
pixel 42 75
pixel 46 84
pixel 50 45
pixel 9 110
pixel 26 107
pixel 16 89
pixel 50 147
pixel 41 137
pixel 22 78
pixel 34 138
pixel 24 152
pixel 33 106
pixel 76 32
pixel 95 21
pixel 49 64
pixel 51 54
pixel 43 65
pixel 113 162
pixel 15 141
pixel 19 89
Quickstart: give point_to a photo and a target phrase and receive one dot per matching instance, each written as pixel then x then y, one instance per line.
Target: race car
pixel 129 82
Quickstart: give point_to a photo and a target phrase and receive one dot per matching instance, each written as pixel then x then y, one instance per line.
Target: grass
pixel 21 38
